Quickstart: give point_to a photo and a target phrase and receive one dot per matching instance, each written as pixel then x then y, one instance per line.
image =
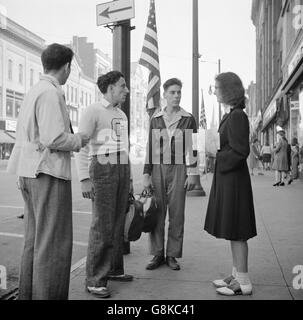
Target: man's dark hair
pixel 55 56
pixel 106 80
pixel 172 82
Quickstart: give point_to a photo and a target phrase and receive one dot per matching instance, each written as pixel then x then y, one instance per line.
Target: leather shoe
pixel 101 292
pixel 172 263
pixel 235 289
pixel 121 277
pixel 156 262
pixel 220 283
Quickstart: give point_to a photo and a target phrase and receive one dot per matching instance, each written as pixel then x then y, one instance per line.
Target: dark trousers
pixel 105 247
pixel 46 258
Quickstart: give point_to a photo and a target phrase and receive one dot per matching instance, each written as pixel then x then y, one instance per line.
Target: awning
pixel 293 78
pixel 7 137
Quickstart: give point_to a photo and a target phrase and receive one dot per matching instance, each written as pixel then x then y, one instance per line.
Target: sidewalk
pixel 273 254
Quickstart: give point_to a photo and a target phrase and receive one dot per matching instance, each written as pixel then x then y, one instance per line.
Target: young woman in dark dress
pixel 230 213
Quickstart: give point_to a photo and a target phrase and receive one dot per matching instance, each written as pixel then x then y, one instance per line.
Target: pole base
pixel 126 248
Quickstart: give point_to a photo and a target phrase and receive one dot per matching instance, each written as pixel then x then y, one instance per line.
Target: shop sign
pixel 10 125
pixel 294 105
pixel 295 60
pixel 270 113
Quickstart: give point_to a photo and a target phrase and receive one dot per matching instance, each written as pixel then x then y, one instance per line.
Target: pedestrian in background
pixel 266 156
pixel 170 141
pixel 230 213
pixel 301 159
pixel 106 181
pixel 281 162
pixel 254 157
pixel 294 160
pixel 42 159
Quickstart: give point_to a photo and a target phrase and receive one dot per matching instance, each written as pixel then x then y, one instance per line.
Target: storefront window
pixel 1 114
pixel 299 119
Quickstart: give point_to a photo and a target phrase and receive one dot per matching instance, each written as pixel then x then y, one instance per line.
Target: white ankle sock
pixel 234 272
pixel 243 278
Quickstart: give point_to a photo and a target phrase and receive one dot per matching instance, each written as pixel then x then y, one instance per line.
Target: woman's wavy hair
pixel 232 90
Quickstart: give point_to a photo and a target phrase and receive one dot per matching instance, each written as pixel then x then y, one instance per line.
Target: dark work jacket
pixel 163 150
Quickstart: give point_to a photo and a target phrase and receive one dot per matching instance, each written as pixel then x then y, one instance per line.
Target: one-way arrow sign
pixel 115 11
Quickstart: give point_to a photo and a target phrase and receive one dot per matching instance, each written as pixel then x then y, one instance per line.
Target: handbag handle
pixel 146 194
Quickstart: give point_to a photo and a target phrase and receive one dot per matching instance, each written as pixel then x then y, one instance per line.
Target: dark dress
pixel 230 213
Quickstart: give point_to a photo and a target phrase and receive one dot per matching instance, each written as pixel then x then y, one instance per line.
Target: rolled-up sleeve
pixel 87 125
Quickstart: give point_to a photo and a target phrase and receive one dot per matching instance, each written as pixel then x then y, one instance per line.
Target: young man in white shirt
pixel 106 180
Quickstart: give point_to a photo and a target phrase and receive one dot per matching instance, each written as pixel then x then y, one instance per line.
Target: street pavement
pixel 273 254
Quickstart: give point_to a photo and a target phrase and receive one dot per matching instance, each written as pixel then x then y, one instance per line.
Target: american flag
pixel 203 123
pixel 150 60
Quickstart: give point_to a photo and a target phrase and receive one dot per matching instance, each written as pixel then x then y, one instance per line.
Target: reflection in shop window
pixel 17 108
pixel 9 107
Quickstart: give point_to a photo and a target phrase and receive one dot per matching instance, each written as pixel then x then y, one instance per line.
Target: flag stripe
pixel 203 123
pixel 152 47
pixel 153 82
pixel 152 40
pixel 152 54
pixel 151 33
pixel 150 59
pixel 146 63
pixel 153 92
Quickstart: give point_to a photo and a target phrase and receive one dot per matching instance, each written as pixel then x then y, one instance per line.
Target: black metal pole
pixel 195 65
pixel 198 191
pixel 121 62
